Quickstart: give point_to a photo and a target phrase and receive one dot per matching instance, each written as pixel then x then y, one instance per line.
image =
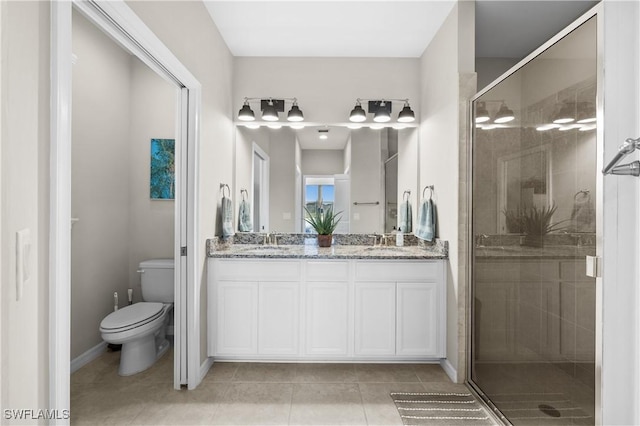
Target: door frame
pixel 264 187
pixel 116 19
pixel 596 12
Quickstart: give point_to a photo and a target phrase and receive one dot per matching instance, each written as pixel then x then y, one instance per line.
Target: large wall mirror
pixel 359 172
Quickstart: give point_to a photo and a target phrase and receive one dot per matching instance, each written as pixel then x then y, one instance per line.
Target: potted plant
pixel 324 223
pixel 536 223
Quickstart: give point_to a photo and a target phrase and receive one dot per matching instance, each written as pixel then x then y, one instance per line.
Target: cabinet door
pixel 417 316
pixel 278 318
pixel 237 329
pixel 375 319
pixel 327 318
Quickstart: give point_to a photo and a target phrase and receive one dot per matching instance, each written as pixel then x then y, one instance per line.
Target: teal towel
pixel 244 217
pixel 406 221
pixel 426 228
pixel 227 217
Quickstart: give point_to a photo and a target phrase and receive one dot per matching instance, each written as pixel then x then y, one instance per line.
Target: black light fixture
pixel 482 115
pixel 358 115
pixel 566 114
pixel 246 113
pixel 504 115
pixel 406 115
pixel 381 110
pixel 270 108
pixel 294 113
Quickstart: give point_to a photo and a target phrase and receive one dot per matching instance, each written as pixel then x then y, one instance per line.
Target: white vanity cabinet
pixel 326 309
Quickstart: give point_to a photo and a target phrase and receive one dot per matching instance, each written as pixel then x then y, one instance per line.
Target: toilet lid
pixel 131 315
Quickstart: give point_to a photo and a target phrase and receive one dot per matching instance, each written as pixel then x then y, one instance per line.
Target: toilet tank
pixel 156 277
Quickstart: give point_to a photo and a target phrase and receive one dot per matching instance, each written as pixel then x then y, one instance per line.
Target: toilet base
pixel 141 354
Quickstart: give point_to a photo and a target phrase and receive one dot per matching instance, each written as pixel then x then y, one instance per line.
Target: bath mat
pixel 440 408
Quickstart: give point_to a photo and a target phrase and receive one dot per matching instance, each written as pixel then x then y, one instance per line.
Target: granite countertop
pixel 547 252
pixel 310 250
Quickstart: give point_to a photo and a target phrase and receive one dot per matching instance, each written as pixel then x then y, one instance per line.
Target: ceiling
pixel 358 28
pixel 309 138
pixel 328 28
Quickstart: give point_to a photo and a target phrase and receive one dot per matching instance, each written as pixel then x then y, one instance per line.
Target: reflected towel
pixel 406 220
pixel 227 217
pixel 583 213
pixel 426 228
pixel 244 217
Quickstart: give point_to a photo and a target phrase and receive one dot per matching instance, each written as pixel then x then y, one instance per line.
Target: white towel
pixel 406 220
pixel 244 217
pixel 227 217
pixel 426 228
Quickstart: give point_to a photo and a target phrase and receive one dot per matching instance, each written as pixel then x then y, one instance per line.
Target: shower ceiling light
pixel 504 115
pixel 482 115
pixel 323 134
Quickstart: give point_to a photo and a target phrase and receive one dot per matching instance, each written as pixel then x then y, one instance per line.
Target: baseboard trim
pixel 204 368
pixel 448 368
pixel 88 356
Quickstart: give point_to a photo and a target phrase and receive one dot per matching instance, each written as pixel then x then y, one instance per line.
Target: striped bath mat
pixel 440 408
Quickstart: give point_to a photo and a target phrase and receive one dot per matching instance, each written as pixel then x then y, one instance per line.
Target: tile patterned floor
pixel 250 394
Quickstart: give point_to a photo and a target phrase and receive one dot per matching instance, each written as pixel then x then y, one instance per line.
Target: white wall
pixel 489 69
pixel 326 88
pixel 24 109
pixel 367 183
pixel 188 31
pixel 100 180
pixel 408 169
pixel 322 161
pixel 282 185
pixel 151 222
pixel 447 81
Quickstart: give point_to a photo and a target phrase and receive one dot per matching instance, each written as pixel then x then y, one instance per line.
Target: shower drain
pixel 549 410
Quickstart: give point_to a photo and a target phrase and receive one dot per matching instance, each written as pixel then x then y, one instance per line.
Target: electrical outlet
pixel 23 260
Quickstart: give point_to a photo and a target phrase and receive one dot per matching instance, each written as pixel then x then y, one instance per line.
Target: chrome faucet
pixel 270 239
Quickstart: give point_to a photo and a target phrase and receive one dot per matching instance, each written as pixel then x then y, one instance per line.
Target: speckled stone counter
pixel 310 249
pixel 524 252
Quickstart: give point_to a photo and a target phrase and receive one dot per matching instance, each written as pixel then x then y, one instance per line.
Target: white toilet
pixel 140 328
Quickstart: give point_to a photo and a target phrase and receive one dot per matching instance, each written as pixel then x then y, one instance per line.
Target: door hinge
pixel 594 266
pixel 183 251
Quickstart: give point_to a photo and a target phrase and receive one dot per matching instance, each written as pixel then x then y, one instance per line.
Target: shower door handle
pixel 594 266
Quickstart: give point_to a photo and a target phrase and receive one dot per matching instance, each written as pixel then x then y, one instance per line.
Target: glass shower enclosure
pixel 534 215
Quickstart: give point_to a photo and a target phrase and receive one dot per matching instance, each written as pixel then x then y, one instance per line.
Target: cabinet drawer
pixel 397 271
pixel 257 270
pixel 327 270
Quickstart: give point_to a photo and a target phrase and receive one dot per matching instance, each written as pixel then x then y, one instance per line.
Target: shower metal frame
pixel 596 12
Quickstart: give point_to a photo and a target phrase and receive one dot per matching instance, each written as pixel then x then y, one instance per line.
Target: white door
pixel 278 318
pixel 375 319
pixel 417 327
pixel 237 322
pixel 327 318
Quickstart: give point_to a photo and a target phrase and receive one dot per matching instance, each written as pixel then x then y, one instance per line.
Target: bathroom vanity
pixel 344 303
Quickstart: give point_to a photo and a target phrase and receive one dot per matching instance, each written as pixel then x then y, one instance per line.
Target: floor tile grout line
pixel 364 411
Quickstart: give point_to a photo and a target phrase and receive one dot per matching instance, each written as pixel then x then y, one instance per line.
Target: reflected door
pixel 534 221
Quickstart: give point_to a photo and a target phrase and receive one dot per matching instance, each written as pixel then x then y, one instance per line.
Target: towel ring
pixel 582 191
pixel 430 188
pixel 408 194
pixel 223 186
pixel 244 194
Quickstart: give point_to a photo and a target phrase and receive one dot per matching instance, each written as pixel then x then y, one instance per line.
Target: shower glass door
pixel 534 221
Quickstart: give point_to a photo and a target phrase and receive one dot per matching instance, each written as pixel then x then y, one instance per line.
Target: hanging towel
pixel 227 217
pixel 406 214
pixel 244 217
pixel 583 213
pixel 426 228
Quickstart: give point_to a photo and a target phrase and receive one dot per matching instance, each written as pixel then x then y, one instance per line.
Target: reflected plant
pixel 537 221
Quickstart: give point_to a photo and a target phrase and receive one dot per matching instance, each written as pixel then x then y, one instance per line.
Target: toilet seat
pixel 132 316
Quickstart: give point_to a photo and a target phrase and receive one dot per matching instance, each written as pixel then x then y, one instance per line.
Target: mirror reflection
pixel 280 172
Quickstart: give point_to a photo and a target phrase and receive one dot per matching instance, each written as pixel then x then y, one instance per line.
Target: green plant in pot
pixel 536 223
pixel 324 223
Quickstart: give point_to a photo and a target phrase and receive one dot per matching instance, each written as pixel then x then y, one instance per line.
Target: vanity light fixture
pixel 504 115
pixel 482 115
pixel 381 110
pixel 270 108
pixel 566 114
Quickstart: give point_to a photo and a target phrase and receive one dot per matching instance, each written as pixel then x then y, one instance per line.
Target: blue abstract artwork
pixel 163 171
